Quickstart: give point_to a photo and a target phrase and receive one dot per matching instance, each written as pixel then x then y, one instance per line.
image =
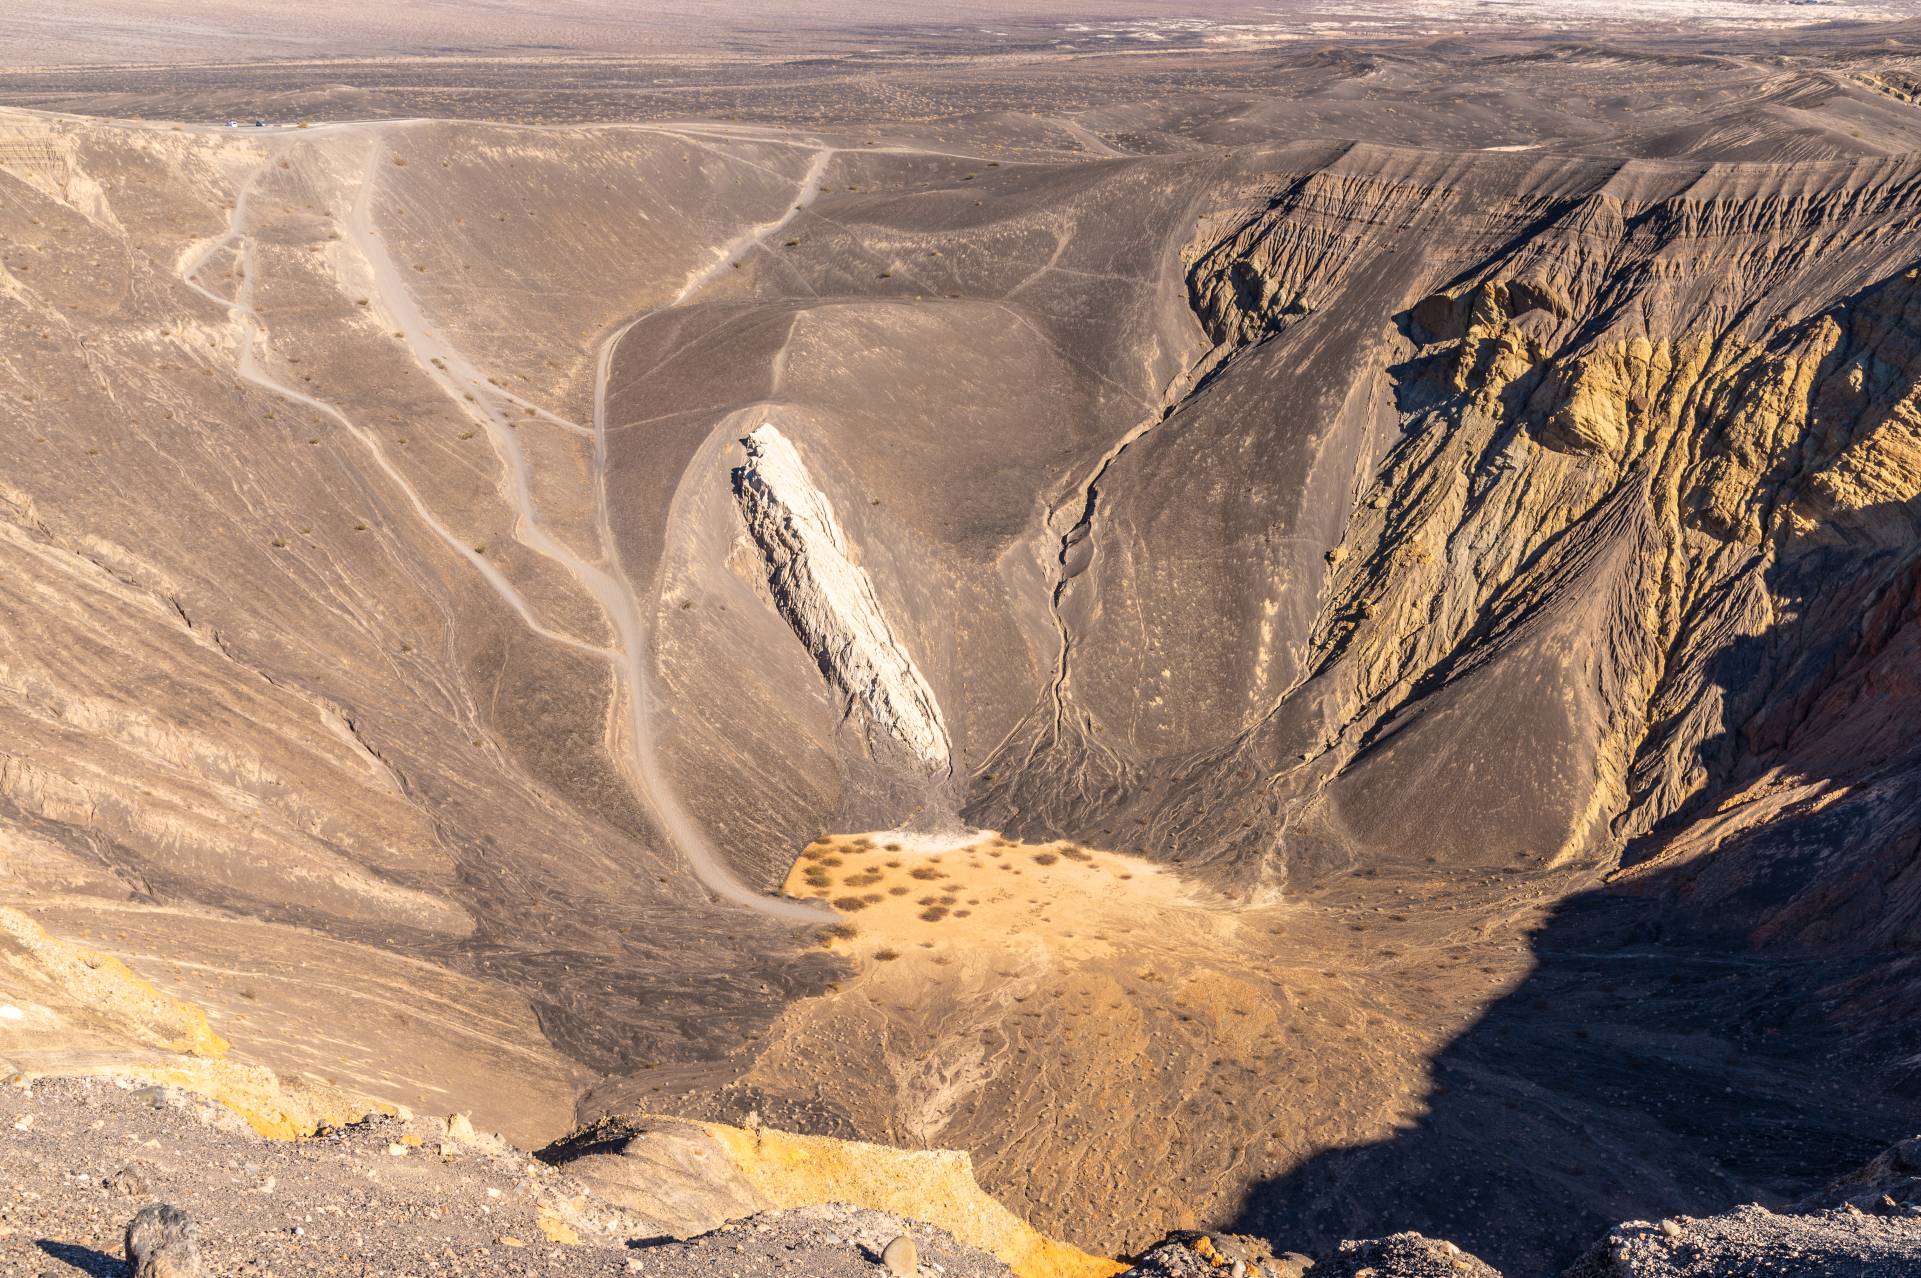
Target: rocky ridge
pixel 827 598
pixel 400 1193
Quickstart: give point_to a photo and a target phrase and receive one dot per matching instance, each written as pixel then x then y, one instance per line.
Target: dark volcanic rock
pixel 1402 1256
pixel 1752 1242
pixel 160 1244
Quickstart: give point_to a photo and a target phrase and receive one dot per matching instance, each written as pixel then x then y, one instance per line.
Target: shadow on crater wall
pixel 1735 1019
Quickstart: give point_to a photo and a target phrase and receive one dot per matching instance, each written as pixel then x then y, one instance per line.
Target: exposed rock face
pixel 821 589
pixel 1569 522
pixel 1894 1175
pixel 686 1178
pixel 1534 465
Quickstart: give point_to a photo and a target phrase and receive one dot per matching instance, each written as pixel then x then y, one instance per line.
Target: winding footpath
pixel 481 400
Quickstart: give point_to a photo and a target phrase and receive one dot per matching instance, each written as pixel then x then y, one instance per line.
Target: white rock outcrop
pixel 829 600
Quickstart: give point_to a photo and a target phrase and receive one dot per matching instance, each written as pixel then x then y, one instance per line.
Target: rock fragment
pixel 161 1244
pixel 131 1181
pixel 901 1257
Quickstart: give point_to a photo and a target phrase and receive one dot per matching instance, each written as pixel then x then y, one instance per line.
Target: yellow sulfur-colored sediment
pixel 272 1106
pixel 106 988
pixel 937 1186
pixel 89 1013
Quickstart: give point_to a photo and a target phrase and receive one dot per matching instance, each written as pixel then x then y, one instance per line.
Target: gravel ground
pixel 1402 1256
pixel 387 1197
pixel 417 1197
pixel 1188 1253
pixel 1752 1242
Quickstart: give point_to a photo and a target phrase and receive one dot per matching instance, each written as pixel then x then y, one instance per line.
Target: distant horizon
pixel 65 33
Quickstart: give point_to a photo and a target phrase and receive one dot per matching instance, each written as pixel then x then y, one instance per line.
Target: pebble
pixel 901 1257
pixel 130 1181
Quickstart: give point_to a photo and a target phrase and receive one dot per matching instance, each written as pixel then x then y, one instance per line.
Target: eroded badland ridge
pixel 1308 635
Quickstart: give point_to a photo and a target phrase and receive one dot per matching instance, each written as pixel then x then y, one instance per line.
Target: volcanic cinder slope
pixel 1365 599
